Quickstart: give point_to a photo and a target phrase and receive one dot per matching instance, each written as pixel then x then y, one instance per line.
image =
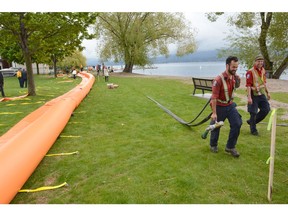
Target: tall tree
pixel 39 32
pixel 256 33
pixel 135 37
pixel 75 60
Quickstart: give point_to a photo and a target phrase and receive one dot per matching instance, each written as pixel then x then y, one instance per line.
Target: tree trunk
pixel 54 65
pixel 37 66
pixel 128 67
pixel 281 68
pixel 27 57
pixel 263 37
pixel 30 77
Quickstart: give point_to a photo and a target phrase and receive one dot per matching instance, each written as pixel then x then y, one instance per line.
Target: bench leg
pixel 194 91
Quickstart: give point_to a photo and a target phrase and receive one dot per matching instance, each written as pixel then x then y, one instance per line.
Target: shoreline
pixel 274 85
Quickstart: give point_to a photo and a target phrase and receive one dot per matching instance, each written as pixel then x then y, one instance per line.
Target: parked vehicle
pixel 8 72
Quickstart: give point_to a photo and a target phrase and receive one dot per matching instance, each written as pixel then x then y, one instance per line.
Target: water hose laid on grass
pixel 177 118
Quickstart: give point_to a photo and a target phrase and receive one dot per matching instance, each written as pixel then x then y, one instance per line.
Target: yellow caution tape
pixel 270 119
pixel 69 136
pixel 268 160
pixel 9 113
pixel 43 188
pixel 60 154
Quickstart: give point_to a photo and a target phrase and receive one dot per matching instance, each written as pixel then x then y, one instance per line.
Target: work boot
pixel 232 151
pixel 255 133
pixel 214 149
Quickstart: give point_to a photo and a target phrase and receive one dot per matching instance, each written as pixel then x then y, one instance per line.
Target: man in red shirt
pixel 224 108
pixel 257 94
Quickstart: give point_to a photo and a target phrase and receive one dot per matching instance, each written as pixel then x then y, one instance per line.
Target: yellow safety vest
pixel 258 82
pixel 19 74
pixel 225 87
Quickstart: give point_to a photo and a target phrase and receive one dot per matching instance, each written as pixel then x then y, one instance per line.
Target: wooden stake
pixel 272 154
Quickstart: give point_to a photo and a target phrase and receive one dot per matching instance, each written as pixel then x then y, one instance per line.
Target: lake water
pixel 192 69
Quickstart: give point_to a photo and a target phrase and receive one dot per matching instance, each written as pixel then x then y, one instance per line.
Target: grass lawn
pixel 132 152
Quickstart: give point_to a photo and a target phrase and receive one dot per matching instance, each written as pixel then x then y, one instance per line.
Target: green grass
pixel 280 96
pixel 131 151
pixel 47 88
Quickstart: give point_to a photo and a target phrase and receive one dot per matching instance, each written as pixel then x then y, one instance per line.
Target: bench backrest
pixel 200 82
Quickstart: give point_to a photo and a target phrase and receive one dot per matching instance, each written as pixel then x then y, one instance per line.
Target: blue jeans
pixel 235 120
pixel 259 102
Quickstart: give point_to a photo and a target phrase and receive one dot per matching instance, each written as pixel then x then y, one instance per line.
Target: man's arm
pixel 237 81
pixel 267 92
pixel 249 98
pixel 213 106
pixel 249 86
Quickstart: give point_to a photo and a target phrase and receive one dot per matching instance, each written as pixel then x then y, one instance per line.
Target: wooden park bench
pixel 202 84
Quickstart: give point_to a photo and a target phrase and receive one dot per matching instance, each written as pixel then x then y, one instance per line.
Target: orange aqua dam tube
pixel 23 147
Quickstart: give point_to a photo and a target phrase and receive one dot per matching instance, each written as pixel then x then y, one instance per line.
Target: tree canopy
pixel 73 61
pixel 258 33
pixel 134 37
pixel 42 36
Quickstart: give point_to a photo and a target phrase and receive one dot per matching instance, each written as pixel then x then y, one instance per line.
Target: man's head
pixel 259 61
pixel 232 64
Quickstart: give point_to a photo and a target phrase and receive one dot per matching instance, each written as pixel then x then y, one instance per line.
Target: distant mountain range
pixel 200 56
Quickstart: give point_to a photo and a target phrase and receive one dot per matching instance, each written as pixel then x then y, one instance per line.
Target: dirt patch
pixel 273 85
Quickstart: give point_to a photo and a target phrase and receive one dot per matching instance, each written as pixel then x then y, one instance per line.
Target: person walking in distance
pixel 223 107
pixel 24 78
pixel 74 73
pixel 257 94
pixel 19 76
pixel 106 74
pixel 2 85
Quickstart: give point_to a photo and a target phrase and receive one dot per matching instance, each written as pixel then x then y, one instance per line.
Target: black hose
pixel 181 120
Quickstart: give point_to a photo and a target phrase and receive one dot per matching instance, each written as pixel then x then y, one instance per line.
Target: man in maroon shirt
pixel 257 94
pixel 223 106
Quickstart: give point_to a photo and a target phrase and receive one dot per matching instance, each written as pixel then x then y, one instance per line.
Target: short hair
pixel 231 58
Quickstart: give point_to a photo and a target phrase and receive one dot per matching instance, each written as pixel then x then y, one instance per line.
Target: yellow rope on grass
pixel 43 188
pixel 69 136
pixel 61 154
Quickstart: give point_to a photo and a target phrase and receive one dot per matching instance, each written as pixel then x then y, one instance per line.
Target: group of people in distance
pixel 22 77
pixel 223 107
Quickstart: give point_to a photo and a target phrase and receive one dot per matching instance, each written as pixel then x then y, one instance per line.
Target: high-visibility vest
pixel 19 74
pixel 258 82
pixel 226 92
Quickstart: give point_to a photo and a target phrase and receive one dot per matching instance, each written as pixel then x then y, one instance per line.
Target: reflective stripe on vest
pixel 226 92
pixel 258 82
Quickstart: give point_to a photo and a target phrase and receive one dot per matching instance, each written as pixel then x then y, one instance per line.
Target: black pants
pixel 259 102
pixel 2 90
pixel 25 83
pixel 235 120
pixel 21 82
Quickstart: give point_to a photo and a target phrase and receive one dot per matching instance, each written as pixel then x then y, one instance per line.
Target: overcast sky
pixel 209 36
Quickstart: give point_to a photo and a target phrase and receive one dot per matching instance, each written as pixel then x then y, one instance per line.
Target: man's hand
pixel 214 117
pixel 250 101
pixel 268 96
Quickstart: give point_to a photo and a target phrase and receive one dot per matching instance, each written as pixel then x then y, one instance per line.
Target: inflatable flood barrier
pixel 23 147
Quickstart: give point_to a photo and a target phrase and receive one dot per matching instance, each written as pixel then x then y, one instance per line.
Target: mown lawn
pixel 132 152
